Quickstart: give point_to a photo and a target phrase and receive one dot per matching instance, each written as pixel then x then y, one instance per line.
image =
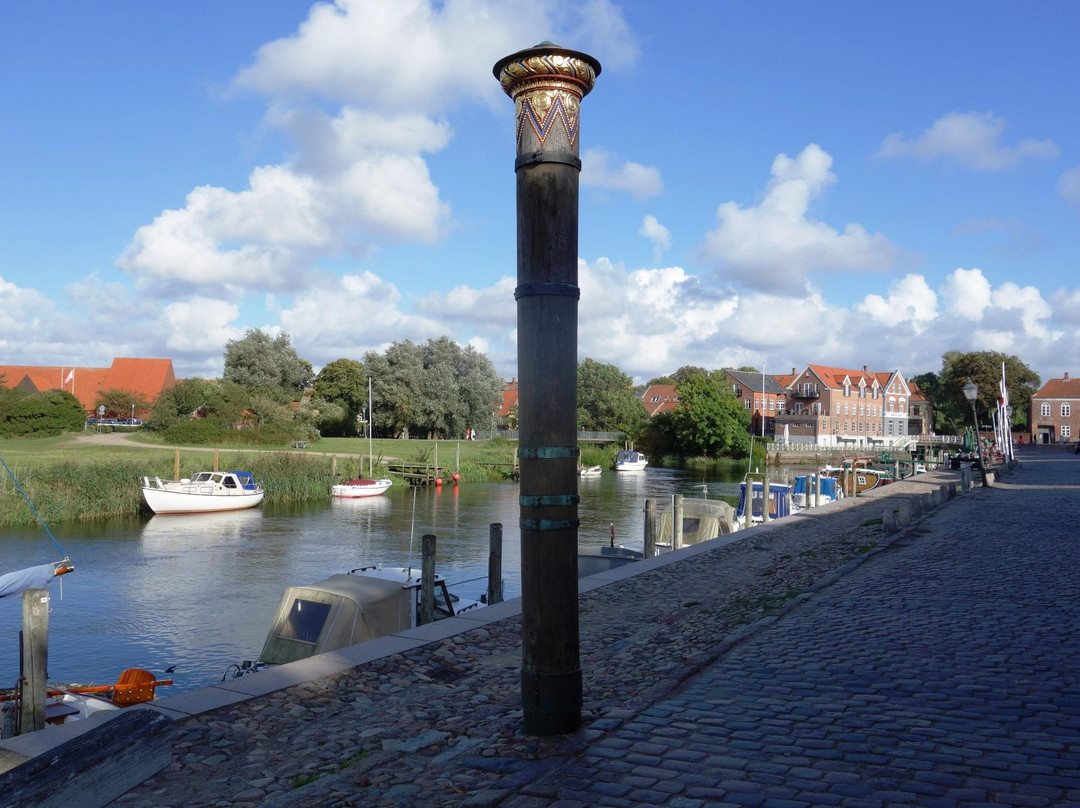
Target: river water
pixel 198 592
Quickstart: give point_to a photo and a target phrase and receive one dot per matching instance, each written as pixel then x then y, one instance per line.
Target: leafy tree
pixel 606 400
pixel 984 368
pixel 710 421
pixel 397 375
pixel 480 388
pixel 120 403
pixel 944 416
pixel 225 404
pixel 50 412
pixel 345 383
pixel 266 364
pixel 680 375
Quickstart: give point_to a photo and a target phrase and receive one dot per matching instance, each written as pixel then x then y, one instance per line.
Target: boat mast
pixel 371 457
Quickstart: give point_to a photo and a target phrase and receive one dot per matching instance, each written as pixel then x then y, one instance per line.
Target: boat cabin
pixel 702 519
pixel 347 609
pixel 779 501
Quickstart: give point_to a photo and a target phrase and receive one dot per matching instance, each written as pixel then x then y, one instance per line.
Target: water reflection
pixel 198 591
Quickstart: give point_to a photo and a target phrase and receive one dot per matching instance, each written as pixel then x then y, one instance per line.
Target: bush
pixel 196 432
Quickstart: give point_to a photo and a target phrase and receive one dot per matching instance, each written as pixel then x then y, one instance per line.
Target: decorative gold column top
pixel 547 84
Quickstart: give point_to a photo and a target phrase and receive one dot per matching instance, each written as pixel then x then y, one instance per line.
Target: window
pixel 847 388
pixel 305 621
pixel 654 399
pixel 1066 431
pixel 746 404
pixel 1045 408
pixel 1065 410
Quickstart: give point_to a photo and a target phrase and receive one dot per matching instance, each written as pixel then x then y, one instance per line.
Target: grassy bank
pixel 69 480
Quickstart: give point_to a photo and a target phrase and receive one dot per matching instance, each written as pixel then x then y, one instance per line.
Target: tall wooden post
pixel 676 521
pixel 547 84
pixel 495 582
pixel 427 580
pixel 648 544
pixel 35 658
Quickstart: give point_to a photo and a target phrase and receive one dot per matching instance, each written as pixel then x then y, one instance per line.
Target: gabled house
pixel 659 398
pixel 509 399
pixel 760 393
pixel 1055 411
pixel 838 407
pixel 920 412
pixel 146 377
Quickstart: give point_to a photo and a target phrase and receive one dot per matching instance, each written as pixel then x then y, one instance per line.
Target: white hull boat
pixel 354 489
pixel 629 460
pixel 205 492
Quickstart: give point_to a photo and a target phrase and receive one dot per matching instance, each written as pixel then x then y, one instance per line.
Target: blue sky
pixel 842 183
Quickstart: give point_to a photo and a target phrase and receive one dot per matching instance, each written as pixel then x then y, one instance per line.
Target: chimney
pixel 1066 376
pixel 864 370
pixel 793 372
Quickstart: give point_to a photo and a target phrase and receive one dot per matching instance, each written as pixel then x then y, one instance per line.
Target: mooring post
pixel 817 489
pixel 176 465
pixel 649 541
pixel 765 499
pixel 676 521
pixel 547 84
pixel 427 580
pixel 35 659
pixel 495 581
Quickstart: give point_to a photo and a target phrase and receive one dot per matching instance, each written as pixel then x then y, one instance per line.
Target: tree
pixel 267 364
pixel 224 403
pixel 50 412
pixel 710 421
pixel 345 383
pixel 397 376
pixel 606 400
pixel 120 403
pixel 984 368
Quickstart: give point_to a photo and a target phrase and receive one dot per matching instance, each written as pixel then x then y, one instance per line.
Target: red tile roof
pixel 660 398
pixel 148 377
pixel 1060 388
pixel 509 398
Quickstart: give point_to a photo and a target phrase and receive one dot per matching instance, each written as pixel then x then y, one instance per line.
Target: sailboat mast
pixel 371 456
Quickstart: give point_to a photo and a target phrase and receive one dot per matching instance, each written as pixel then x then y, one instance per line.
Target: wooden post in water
pixel 676 521
pixel 649 542
pixel 427 580
pixel 35 659
pixel 495 582
pixel 217 458
pixel 765 499
pixel 176 465
pixel 547 84
pixel 817 489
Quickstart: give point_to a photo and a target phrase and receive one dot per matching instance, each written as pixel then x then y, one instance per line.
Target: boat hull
pixel 360 489
pixel 205 492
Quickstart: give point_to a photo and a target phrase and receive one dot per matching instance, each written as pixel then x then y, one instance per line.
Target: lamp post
pixel 971 393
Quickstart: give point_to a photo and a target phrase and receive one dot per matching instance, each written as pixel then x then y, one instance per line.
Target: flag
pixel 70 376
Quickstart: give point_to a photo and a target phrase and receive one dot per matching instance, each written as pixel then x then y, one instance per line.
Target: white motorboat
pixel 204 492
pixel 629 460
pixel 591 471
pixel 354 489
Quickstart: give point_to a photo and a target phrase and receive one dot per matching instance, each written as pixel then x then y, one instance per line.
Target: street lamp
pixel 971 393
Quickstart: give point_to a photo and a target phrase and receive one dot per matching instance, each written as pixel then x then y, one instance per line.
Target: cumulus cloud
pixel 600 169
pixel 655 232
pixel 966 293
pixel 201 325
pixel 970 140
pixel 1069 187
pixel 421 54
pixel 910 299
pixel 776 243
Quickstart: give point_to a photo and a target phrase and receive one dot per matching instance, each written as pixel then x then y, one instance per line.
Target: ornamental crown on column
pixel 547 84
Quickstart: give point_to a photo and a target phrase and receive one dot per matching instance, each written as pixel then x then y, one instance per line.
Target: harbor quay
pixel 912 646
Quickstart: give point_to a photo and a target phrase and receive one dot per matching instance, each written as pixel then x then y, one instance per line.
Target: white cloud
pixel 910 300
pixel 775 244
pixel 966 294
pixel 1066 303
pixel 970 140
pixel 425 55
pixel 201 326
pixel 655 232
pixel 599 170
pixel 1069 187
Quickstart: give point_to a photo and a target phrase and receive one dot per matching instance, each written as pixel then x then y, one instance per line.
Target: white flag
pixel 70 376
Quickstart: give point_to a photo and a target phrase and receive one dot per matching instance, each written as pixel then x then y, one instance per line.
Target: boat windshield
pixel 305 621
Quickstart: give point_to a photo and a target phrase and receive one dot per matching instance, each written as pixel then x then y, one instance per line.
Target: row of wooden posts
pixel 494 593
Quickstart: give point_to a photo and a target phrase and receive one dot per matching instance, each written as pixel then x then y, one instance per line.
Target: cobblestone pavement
pixel 777 671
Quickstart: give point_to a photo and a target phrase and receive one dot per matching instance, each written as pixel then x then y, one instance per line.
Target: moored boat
pixel 779 501
pixel 702 519
pixel 591 471
pixel 629 460
pixel 802 493
pixel 348 608
pixel 204 492
pixel 354 489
